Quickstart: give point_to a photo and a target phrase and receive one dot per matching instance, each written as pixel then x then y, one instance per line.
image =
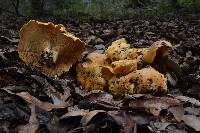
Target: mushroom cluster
pixel 117 69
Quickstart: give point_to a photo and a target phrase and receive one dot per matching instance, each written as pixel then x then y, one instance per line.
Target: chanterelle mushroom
pixel 146 80
pixel 158 48
pixel 123 67
pixel 49 47
pixel 149 80
pixel 90 77
pixel 120 50
pixel 117 69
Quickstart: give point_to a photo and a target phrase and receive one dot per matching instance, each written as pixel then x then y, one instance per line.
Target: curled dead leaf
pixel 33 124
pixel 44 105
pixel 155 104
pixel 88 117
pixel 48 47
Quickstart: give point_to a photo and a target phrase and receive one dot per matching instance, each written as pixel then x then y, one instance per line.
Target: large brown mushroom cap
pixel 49 47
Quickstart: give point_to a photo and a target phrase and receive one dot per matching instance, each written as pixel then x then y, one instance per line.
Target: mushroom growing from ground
pixel 158 49
pixel 90 77
pixel 117 69
pixel 123 67
pixel 120 50
pixel 49 47
pixel 146 80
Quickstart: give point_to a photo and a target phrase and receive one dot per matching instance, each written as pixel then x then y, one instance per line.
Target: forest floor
pixel 31 101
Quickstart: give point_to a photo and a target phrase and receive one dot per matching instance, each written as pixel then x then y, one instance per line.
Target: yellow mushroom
pixel 146 80
pixel 157 49
pixel 90 77
pixel 123 67
pixel 120 50
pixel 119 86
pixel 98 58
pixel 48 47
pixel 149 80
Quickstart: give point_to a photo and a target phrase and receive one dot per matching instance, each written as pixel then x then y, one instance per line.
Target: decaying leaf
pixel 76 113
pixel 88 117
pixel 190 120
pixel 157 49
pixel 155 104
pixel 48 47
pixel 33 124
pixel 124 119
pixel 44 105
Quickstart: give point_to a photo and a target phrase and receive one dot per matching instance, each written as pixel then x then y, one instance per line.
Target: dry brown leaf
pixel 44 105
pixel 190 120
pixel 33 124
pixel 155 104
pixel 48 47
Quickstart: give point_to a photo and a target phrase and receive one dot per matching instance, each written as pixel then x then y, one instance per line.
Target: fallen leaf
pixel 33 124
pixel 88 117
pixel 155 104
pixel 44 105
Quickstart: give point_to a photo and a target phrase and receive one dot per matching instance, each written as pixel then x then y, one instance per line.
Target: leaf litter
pixel 54 96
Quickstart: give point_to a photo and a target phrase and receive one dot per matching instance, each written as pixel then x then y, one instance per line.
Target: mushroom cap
pixel 39 41
pixel 123 67
pixel 158 48
pixel 90 77
pixel 119 86
pixel 149 80
pixel 98 58
pixel 120 50
pixel 146 80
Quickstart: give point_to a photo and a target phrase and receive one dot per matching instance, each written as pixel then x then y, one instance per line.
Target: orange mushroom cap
pixel 49 47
